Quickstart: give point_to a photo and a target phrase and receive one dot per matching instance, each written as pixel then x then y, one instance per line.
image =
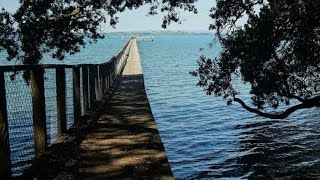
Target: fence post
pixel 39 110
pixel 5 162
pixel 118 64
pixel 76 94
pixel 111 73
pixel 61 99
pixel 101 80
pixel 105 75
pixel 92 85
pixel 85 89
pixel 96 83
pixel 113 70
pixel 108 76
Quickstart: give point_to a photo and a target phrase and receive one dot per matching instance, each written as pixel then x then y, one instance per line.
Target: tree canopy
pixel 61 26
pixel 276 51
pixel 274 46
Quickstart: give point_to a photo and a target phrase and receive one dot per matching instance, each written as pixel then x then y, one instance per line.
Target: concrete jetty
pixel 121 141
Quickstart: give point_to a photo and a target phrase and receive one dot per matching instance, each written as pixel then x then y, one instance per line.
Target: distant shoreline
pixel 160 33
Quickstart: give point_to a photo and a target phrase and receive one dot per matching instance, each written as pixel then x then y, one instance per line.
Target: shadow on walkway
pixel 123 143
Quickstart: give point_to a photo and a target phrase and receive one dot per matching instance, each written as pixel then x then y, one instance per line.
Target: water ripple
pixel 205 139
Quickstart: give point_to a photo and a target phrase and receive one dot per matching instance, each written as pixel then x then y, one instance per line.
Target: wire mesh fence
pixel 51 105
pixel 20 97
pixel 21 137
pixel 69 98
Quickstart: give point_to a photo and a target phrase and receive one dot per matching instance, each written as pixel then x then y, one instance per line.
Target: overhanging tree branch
pixel 309 103
pixel 279 62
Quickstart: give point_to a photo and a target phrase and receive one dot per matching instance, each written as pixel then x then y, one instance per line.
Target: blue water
pixel 203 137
pixel 94 53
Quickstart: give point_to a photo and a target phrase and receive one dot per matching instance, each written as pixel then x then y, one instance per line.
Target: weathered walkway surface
pixel 125 144
pixel 119 140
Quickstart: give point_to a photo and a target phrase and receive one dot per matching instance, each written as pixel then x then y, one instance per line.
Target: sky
pixel 137 20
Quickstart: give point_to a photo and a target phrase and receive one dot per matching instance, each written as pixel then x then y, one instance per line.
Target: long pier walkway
pixel 123 144
pixel 126 142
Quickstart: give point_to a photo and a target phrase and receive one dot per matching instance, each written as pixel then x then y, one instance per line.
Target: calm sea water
pixel 93 53
pixel 203 137
pixel 206 139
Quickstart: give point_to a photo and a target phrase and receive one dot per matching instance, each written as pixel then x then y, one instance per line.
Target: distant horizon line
pixel 161 31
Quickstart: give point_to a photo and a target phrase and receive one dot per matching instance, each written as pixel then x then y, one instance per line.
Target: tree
pixel 276 51
pixel 61 26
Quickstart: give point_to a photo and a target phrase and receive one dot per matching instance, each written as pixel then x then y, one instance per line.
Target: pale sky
pixel 136 20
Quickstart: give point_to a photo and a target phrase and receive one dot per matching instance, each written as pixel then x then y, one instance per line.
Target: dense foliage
pixel 272 45
pixel 276 50
pixel 61 26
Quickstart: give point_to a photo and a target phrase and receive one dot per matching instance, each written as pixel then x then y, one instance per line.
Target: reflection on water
pixel 205 139
pixel 270 149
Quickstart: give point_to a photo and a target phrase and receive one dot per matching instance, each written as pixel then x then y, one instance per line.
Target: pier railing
pixel 40 102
